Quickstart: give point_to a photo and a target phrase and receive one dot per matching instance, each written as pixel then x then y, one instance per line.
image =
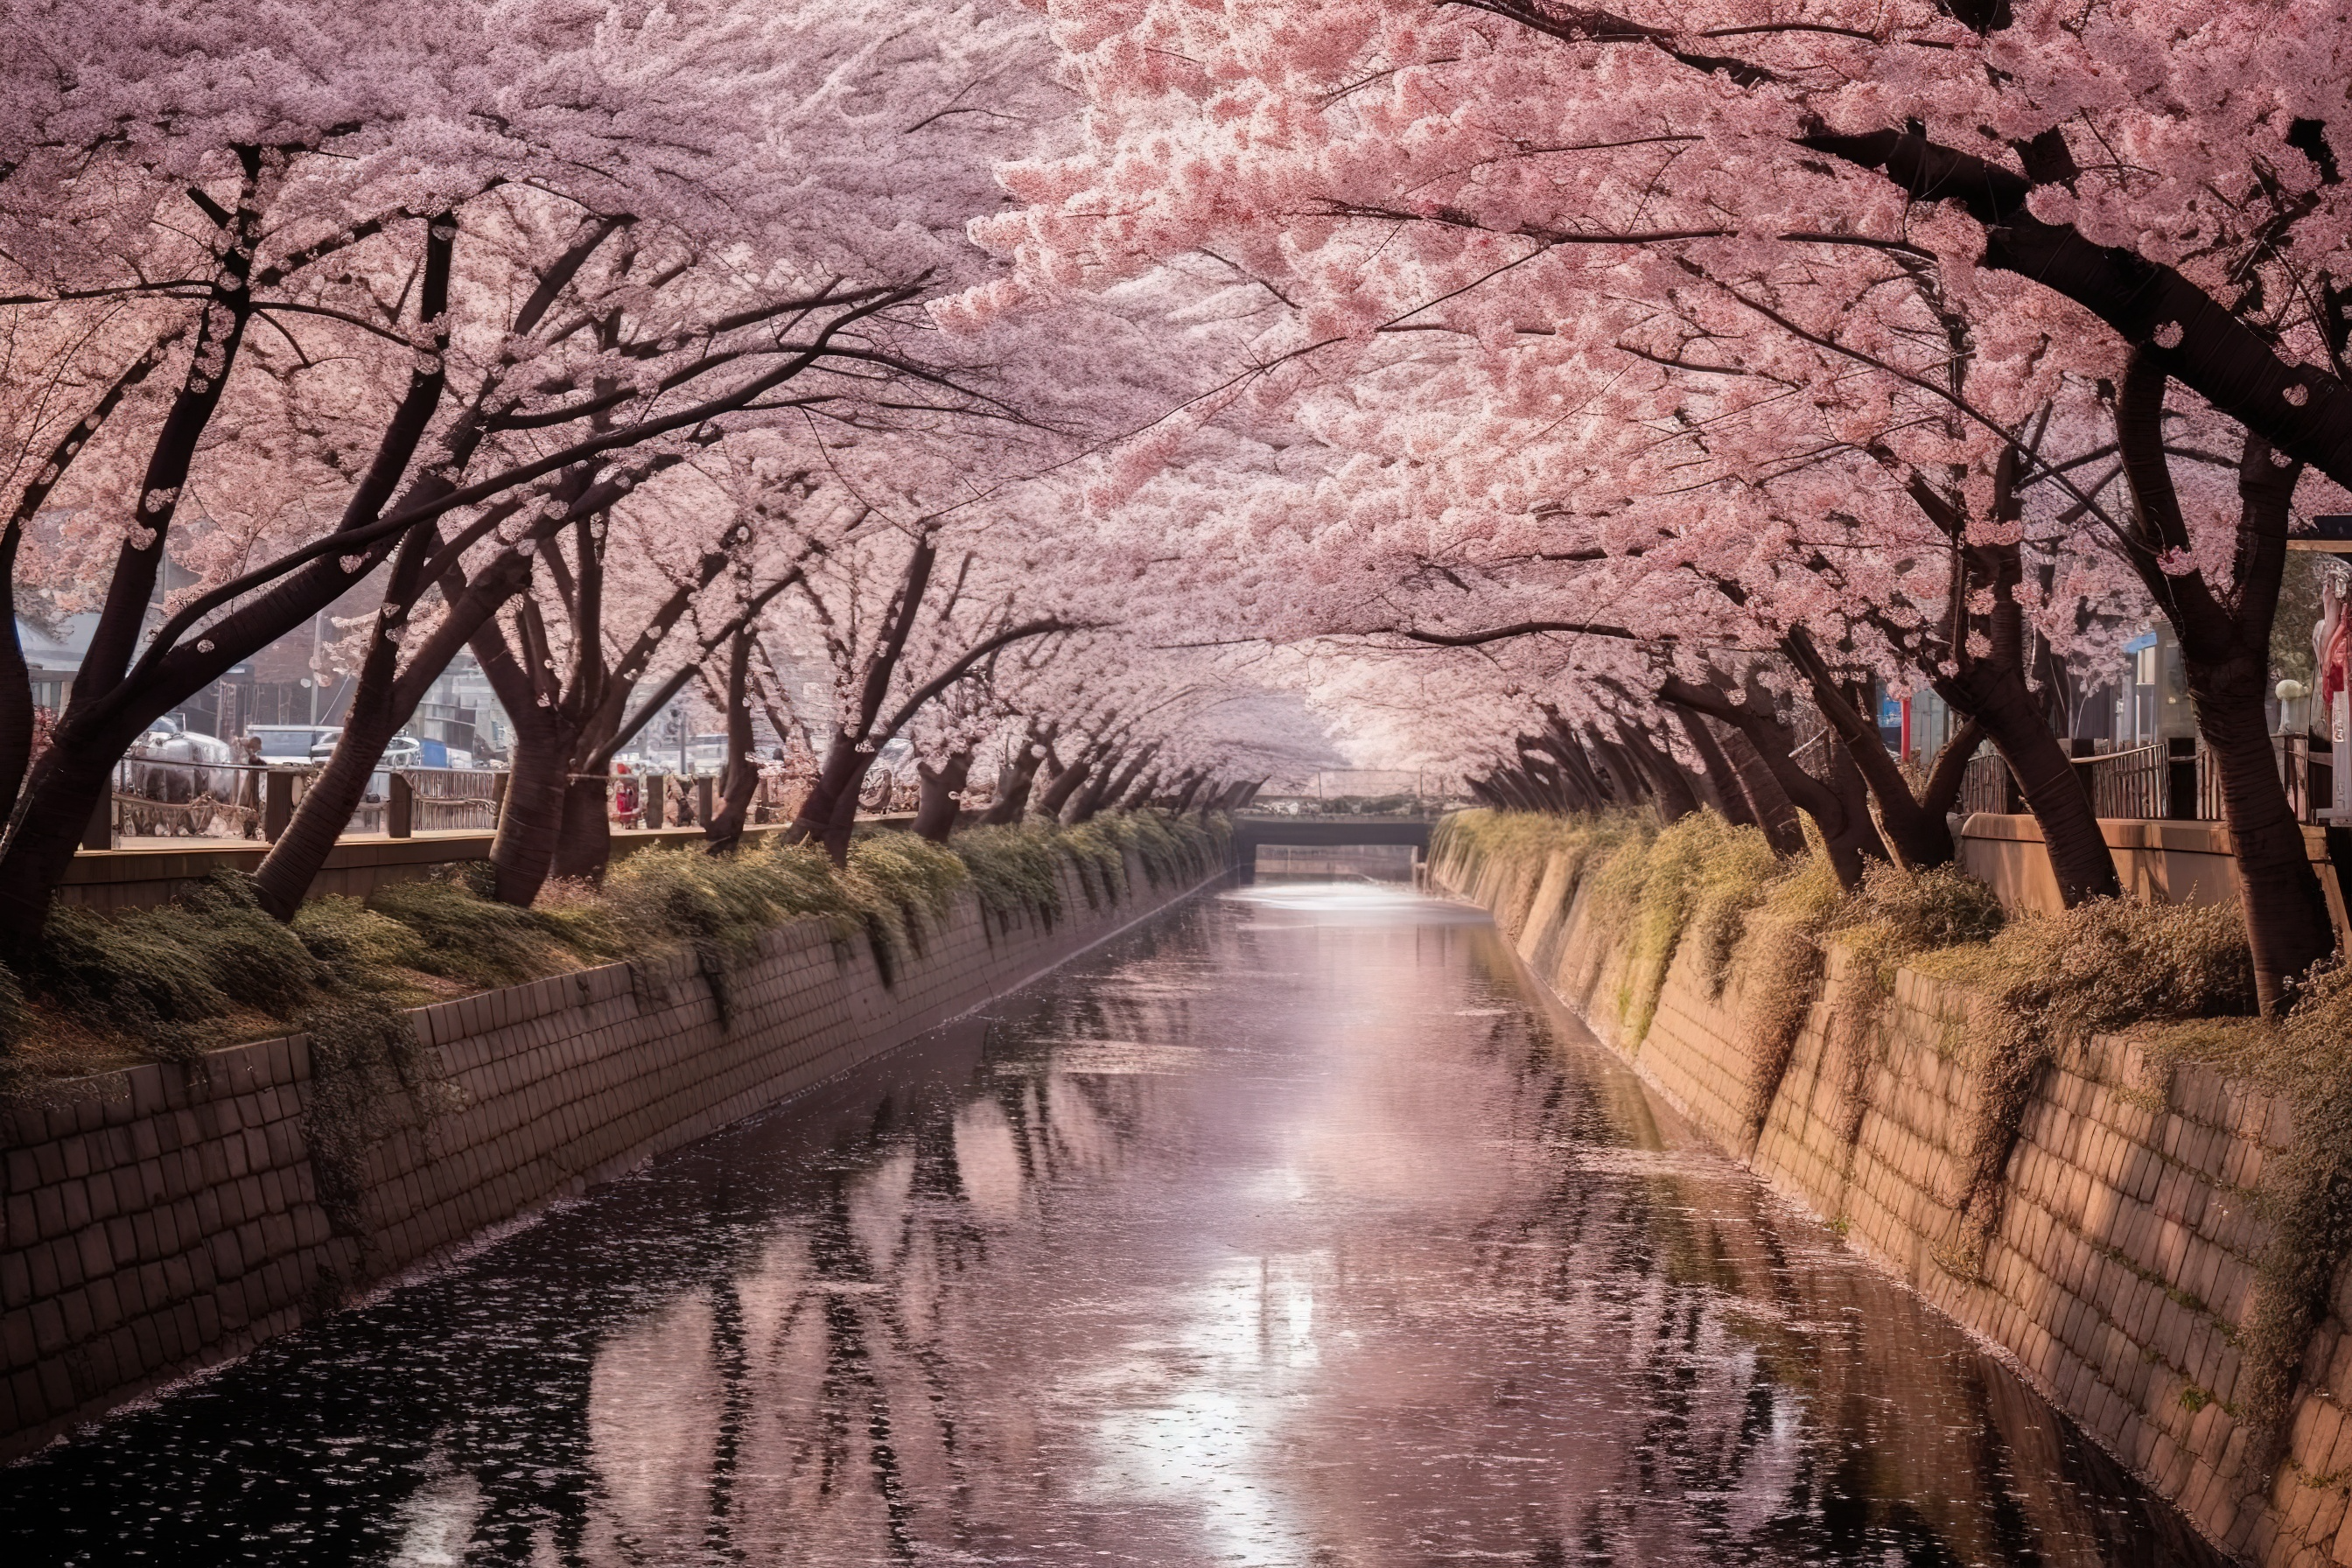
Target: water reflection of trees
pixel 1909 1445
pixel 806 1340
pixel 795 1361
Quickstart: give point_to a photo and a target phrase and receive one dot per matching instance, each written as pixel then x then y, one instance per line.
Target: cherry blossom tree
pixel 241 238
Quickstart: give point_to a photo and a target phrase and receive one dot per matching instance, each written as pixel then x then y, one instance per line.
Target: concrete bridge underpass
pixel 1328 833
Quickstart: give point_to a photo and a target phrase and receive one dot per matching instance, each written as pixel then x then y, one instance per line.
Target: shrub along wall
pixel 169 1217
pixel 2153 1224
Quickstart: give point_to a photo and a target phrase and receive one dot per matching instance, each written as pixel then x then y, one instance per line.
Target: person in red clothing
pixel 626 804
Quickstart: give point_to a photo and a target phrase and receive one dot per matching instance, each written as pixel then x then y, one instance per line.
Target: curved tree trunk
pixel 522 853
pixel 935 815
pixel 1776 813
pixel 1669 785
pixel 1063 785
pixel 842 824
pixel 293 862
pixel 1014 778
pixel 1920 837
pixel 2046 776
pixel 382 701
pixel 2225 644
pixel 1722 783
pixel 62 794
pixel 1141 795
pixel 1111 784
pixel 2287 923
pixel 1190 787
pixel 1090 796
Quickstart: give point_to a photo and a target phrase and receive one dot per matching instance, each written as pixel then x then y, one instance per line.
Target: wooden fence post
pixel 702 783
pixel 399 807
pixel 2181 779
pixel 656 790
pixel 99 832
pixel 2083 750
pixel 276 802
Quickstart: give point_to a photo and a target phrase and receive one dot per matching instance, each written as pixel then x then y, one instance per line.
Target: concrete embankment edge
pixel 160 1220
pixel 2125 1259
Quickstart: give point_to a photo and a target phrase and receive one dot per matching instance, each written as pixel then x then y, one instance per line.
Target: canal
pixel 1291 1230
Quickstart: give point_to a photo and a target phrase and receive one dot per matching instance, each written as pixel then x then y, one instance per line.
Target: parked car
pixel 288 743
pixel 401 751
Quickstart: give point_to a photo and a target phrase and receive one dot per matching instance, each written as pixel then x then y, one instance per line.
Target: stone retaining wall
pixel 162 1221
pixel 2125 1263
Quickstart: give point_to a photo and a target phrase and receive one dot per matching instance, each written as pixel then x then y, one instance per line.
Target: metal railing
pixel 246 800
pixel 2174 780
pixel 241 803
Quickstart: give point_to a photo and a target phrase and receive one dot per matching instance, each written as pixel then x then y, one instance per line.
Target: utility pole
pixel 313 682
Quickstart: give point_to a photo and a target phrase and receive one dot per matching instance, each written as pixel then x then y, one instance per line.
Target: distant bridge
pixel 1251 829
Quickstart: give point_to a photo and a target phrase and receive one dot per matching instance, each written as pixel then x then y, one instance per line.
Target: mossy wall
pixel 2125 1264
pixel 168 1217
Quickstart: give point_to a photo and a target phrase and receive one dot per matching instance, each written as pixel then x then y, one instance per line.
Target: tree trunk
pixel 1776 813
pixel 1191 786
pixel 1717 791
pixel 2225 644
pixel 583 834
pixel 843 824
pixel 1921 838
pixel 830 812
pixel 382 701
pixel 1064 785
pixel 2287 923
pixel 1111 782
pixel 62 795
pixel 1668 784
pixel 742 779
pixel 1014 778
pixel 522 853
pixel 1730 799
pixel 1141 794
pixel 935 815
pixel 1089 797
pixel 1840 807
pixel 2080 860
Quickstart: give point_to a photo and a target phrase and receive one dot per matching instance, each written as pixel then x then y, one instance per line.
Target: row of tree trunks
pixel 1838 805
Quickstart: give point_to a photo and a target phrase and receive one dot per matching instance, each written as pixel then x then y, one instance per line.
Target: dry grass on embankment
pixel 2177 978
pixel 211 969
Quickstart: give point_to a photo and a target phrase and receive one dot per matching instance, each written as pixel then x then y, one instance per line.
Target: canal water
pixel 1291 1230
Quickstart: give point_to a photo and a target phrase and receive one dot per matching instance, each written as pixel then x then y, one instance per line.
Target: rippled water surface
pixel 1289 1231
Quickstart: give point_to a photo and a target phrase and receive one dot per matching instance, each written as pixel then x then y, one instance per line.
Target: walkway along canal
pixel 1291 1229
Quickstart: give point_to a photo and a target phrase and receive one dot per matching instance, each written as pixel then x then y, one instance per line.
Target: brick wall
pixel 2125 1262
pixel 158 1221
